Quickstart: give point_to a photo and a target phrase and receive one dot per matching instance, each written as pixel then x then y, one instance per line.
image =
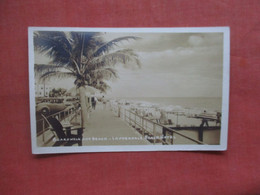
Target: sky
pixel 172 65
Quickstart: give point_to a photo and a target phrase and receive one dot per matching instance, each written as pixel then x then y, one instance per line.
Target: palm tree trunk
pixel 84 105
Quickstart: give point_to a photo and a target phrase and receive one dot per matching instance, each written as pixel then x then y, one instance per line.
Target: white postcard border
pixel 134 148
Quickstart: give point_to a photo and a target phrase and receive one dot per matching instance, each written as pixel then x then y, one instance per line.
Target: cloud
pixel 190 67
pixel 150 42
pixel 195 40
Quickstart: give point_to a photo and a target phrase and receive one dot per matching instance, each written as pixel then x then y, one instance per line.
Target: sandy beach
pixel 183 118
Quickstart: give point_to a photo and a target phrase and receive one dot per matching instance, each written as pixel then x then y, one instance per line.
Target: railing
pixel 68 114
pixel 150 128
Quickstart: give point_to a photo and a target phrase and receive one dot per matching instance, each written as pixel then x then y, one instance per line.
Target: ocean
pixel 209 104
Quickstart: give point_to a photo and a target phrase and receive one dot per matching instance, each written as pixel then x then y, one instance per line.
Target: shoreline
pixel 178 114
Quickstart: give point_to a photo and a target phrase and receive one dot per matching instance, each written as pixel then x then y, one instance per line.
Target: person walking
pixel 94 102
pixel 104 103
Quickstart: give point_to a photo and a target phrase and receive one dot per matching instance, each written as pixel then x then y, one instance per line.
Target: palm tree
pixel 84 56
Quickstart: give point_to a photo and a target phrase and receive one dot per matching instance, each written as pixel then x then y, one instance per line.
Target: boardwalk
pixel 105 128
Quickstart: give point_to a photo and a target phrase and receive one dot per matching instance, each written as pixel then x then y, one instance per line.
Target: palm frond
pixel 121 56
pixel 85 43
pixel 106 73
pixel 40 68
pixel 57 74
pixel 107 46
pixel 54 44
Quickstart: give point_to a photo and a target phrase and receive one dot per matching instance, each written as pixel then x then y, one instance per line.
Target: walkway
pixel 105 128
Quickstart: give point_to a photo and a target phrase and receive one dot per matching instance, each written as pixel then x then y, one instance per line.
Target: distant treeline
pixel 58 92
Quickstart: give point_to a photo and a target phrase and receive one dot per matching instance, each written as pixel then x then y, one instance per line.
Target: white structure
pixel 42 90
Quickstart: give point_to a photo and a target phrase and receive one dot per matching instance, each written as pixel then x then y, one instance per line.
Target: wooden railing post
pixel 201 133
pixel 129 118
pixel 135 120
pixel 164 134
pixel 172 137
pixel 153 133
pixel 124 114
pixel 43 131
pixel 142 126
pixel 146 124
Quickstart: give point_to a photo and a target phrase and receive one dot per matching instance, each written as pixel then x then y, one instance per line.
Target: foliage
pixel 57 92
pixel 84 56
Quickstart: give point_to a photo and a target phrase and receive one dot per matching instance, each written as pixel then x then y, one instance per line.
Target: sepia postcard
pixel 128 89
